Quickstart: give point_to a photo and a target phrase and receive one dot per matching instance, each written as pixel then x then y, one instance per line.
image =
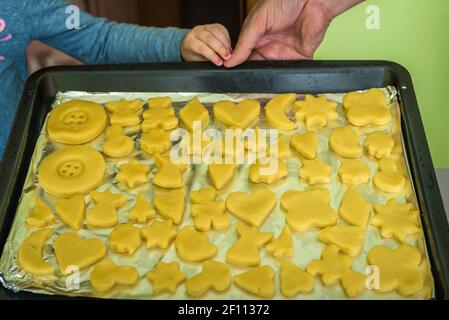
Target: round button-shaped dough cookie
pixel 72 170
pixel 76 122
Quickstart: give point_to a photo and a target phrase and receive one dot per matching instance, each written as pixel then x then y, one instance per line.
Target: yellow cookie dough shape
pixel 387 178
pixel 258 281
pixel 252 208
pixel 124 112
pixel 168 175
pixel 257 143
pixel 72 170
pixel 190 144
pixel 125 238
pixel 76 122
pixel 316 111
pixel 306 144
pixel 335 267
pixel 162 118
pixel 166 277
pixel 348 238
pixel 30 254
pixel 221 174
pixel 72 211
pixel 133 174
pixel 171 205
pixel 245 251
pixel 215 275
pixel 155 141
pixel 41 215
pixel 194 110
pixel 379 144
pixel 396 220
pixel 142 211
pixel 72 251
pixel 308 209
pixel 207 212
pixel 354 171
pixel 315 172
pixel 267 171
pixel 239 115
pixel 367 108
pixel 399 269
pixel 354 209
pixel 159 234
pixel 282 247
pixel 159 102
pixel 104 214
pixel 345 142
pixel 106 274
pixel 294 280
pixel 117 144
pixel 194 246
pixel 275 111
pixel 283 149
pixel 204 195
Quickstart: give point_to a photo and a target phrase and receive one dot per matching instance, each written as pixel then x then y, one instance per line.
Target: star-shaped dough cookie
pixel 166 277
pixel 316 111
pixel 159 234
pixel 133 174
pixel 315 172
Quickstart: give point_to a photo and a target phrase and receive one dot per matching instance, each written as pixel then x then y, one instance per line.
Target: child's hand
pixel 207 42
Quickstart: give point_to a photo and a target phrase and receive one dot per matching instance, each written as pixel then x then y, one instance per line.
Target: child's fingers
pixel 221 33
pixel 204 50
pixel 214 43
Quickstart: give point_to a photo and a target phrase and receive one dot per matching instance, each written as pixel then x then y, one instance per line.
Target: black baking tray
pixel 251 77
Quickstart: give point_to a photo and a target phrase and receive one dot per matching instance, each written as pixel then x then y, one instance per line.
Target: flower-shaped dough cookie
pixel 267 171
pixel 387 178
pixel 72 170
pixel 104 214
pixel 194 111
pixel 306 144
pixel 163 118
pixel 282 247
pixel 367 108
pixel 72 211
pixel 155 141
pixel 168 175
pixel 379 144
pixel 41 215
pixel 315 172
pixel 117 144
pixel 348 238
pixel 316 111
pixel 221 174
pixel 166 277
pixel 171 205
pixel 124 112
pixel 354 209
pixel 194 246
pixel 125 238
pixel 142 211
pixel 335 267
pixel 106 274
pixel 239 115
pixel 258 281
pixel 76 122
pixel 276 111
pixel 354 171
pixel 399 269
pixel 159 102
pixel 345 142
pixel 30 254
pixel 308 209
pixel 133 174
pixel 159 234
pixel 294 280
pixel 215 275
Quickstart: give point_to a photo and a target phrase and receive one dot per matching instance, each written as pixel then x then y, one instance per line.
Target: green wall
pixel 414 33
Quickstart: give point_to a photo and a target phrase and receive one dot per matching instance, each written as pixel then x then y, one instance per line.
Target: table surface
pixel 443 181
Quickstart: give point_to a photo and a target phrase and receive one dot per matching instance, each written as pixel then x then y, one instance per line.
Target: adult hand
pixel 286 29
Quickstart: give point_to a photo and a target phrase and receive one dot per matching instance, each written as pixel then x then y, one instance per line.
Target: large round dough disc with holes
pixel 76 122
pixel 72 170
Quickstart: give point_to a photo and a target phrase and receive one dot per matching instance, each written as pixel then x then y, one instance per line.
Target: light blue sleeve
pixel 98 40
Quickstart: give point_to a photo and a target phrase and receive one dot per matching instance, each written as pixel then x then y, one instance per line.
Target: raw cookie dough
pixel 245 251
pixel 168 174
pixel 171 205
pixel 159 102
pixel 354 171
pixel 294 280
pixel 379 144
pixel 387 178
pixel 194 246
pixel 133 174
pixel 221 174
pixel 316 111
pixel 345 142
pixel 354 209
pixel 125 238
pixel 206 212
pixel 275 111
pixel 348 238
pixel 283 149
pixel 30 254
pixel 155 141
pixel 203 195
pixel 72 251
pixel 166 277
pixel 367 108
pixel 162 118
pixel 72 211
pixel 282 247
pixel 76 122
pixel 104 213
pixel 142 210
pixel 315 172
pixel 159 234
pixel 306 144
pixel 72 170
pixel 117 144
pixel 215 275
pixel 258 281
pixel 239 115
pixel 268 171
pixel 124 112
pixel 41 215
pixel 106 274
pixel 193 111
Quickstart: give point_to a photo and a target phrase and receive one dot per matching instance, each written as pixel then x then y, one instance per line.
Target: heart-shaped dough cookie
pixel 239 115
pixel 106 274
pixel 306 144
pixel 276 111
pixel 221 174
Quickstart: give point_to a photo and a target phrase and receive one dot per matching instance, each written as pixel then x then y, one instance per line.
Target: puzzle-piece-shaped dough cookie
pixel 315 172
pixel 258 281
pixel 117 144
pixel 354 209
pixel 142 210
pixel 204 195
pixel 215 275
pixel 354 171
pixel 334 267
pixel 221 174
pixel 210 215
pixel 308 209
pixel 166 277
pixel 106 274
pixel 72 211
pixel 275 111
pixel 155 141
pixel 367 108
pixel 306 144
pixel 239 115
pixel 316 111
pixel 399 269
pixel 171 205
pixel 168 175
pixel 193 111
pixel 245 251
pixel 268 171
pixel 348 238
pixel 30 254
pixel 72 251
pixel 282 247
pixel 252 208
pixel 379 144
pixel 396 220
pixel 345 142
pixel 162 118
pixel 159 234
pixel 41 215
pixel 294 280
pixel 387 178
pixel 125 238
pixel 194 246
pixel 124 112
pixel 133 174
pixel 159 102
pixel 104 214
